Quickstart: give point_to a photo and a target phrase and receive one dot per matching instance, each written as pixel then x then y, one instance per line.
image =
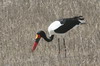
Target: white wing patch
pixel 53 26
pixel 82 21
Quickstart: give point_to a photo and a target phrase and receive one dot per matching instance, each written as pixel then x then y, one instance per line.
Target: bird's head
pixel 37 39
pixel 41 33
pixel 80 19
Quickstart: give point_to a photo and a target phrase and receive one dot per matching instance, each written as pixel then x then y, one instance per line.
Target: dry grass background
pixel 21 19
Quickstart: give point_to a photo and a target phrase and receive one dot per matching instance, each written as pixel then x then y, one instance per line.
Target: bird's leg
pixel 64 46
pixel 58 45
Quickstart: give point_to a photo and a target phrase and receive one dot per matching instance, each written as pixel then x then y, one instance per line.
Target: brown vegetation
pixel 21 19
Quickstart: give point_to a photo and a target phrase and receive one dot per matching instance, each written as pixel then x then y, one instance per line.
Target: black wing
pixel 67 25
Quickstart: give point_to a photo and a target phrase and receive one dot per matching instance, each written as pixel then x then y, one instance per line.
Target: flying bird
pixel 58 27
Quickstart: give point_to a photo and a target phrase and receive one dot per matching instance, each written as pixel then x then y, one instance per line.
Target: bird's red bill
pixel 37 38
pixel 34 46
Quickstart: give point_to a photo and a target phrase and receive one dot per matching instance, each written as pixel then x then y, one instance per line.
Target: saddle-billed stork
pixel 58 27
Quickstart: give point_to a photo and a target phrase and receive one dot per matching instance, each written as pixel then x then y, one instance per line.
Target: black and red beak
pixel 37 39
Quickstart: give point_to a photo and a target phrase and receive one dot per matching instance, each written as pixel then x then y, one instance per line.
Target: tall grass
pixel 21 19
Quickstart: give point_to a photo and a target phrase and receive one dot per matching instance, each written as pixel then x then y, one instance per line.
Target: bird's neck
pixel 48 39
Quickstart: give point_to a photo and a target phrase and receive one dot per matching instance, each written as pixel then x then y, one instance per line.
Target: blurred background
pixel 21 19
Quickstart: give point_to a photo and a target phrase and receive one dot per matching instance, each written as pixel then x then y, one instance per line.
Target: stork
pixel 58 27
